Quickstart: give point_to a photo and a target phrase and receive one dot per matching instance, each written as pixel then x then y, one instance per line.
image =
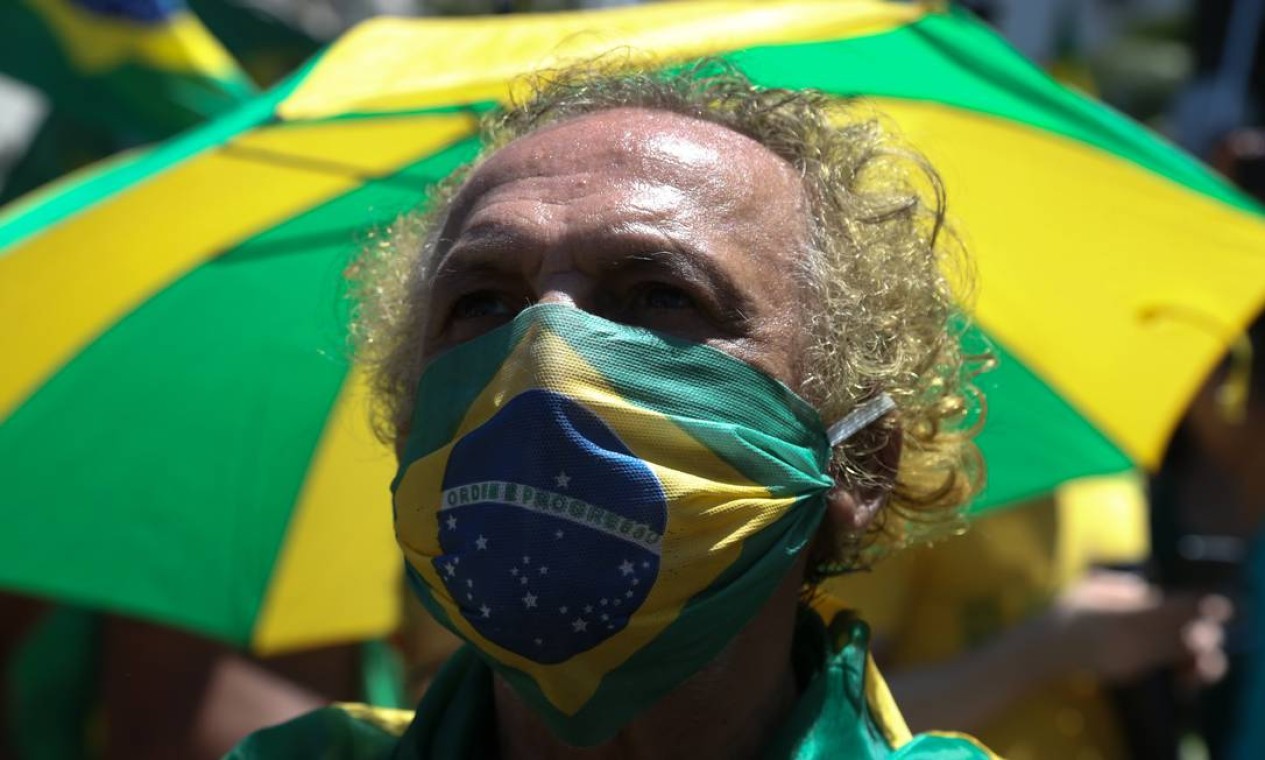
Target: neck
pixel 731 708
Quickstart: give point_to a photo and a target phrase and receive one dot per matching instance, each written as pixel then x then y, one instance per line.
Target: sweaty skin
pixel 642 217
pixel 681 226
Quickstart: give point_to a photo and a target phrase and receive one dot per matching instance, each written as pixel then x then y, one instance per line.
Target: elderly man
pixel 652 367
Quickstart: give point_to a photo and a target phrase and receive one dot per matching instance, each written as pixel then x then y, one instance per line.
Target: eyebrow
pixel 635 249
pixel 481 248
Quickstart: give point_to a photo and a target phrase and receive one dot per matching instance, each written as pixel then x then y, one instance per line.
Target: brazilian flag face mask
pixel 598 509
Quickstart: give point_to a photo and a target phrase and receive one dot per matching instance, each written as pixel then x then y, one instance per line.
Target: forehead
pixel 641 150
pixel 639 136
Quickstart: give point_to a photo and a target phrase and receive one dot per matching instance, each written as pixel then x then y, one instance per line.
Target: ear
pixel 850 507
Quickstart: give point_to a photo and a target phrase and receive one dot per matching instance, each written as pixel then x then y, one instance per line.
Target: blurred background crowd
pixel 1142 595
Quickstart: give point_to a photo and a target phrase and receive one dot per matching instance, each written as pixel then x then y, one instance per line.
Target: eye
pixel 479 304
pixel 657 295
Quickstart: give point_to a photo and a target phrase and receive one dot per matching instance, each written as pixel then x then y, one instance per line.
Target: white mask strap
pixel 862 416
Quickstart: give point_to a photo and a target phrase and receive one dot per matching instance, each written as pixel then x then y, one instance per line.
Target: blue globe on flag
pixel 564 525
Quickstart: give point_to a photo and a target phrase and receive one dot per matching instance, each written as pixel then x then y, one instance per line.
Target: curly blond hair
pixel 882 314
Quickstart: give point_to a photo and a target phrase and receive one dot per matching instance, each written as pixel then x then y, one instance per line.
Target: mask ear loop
pixel 859 418
pixel 854 421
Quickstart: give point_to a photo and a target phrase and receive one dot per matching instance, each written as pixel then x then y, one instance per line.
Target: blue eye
pixel 482 303
pixel 660 296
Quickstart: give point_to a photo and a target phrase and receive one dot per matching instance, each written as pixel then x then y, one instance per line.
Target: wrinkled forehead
pixel 648 146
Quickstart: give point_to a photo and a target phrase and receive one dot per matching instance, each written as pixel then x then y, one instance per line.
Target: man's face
pixel 641 217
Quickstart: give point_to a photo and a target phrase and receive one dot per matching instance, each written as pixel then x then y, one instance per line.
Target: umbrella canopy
pixel 185 439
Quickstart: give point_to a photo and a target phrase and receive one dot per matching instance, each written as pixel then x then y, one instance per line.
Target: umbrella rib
pixel 301 163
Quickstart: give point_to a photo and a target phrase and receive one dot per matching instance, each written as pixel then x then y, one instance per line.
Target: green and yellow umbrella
pixel 185 439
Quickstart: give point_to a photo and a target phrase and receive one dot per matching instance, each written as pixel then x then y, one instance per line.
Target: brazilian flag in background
pixel 116 73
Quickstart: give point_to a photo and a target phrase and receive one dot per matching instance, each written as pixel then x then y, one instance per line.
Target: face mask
pixel 598 509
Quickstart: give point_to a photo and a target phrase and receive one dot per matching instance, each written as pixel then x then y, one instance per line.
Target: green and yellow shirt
pixel 844 711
